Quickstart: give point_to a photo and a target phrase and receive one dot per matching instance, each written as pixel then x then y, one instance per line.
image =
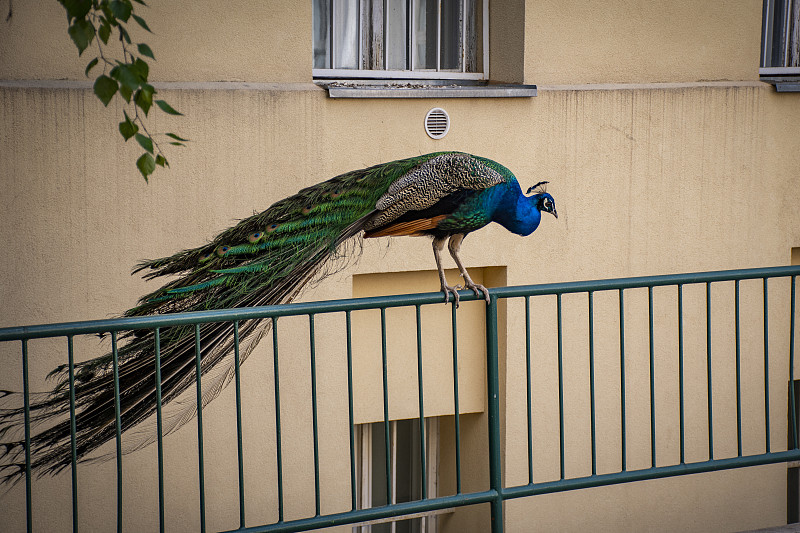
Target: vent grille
pixel 437 123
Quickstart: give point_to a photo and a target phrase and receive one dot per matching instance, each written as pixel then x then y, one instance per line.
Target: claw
pixel 477 288
pixel 448 290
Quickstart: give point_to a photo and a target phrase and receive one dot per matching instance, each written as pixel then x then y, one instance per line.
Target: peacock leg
pixel 454 246
pixel 438 244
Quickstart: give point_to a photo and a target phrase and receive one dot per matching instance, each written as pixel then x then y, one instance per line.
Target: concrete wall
pixel 649 178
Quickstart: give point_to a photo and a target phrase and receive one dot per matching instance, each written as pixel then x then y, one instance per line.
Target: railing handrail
pixel 61 329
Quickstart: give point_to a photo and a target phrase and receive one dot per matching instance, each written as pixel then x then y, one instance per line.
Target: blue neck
pixel 516 212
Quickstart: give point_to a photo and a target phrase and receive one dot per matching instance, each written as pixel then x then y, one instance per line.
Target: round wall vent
pixel 437 123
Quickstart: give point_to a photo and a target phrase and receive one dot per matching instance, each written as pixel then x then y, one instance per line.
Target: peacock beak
pixel 554 212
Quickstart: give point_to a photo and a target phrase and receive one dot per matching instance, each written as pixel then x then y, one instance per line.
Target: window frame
pixel 422 74
pixel 767 39
pixel 364 433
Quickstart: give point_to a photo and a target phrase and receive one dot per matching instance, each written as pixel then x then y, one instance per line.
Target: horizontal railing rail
pixel 496 490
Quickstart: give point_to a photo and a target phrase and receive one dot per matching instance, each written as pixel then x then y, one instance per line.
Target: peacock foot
pixel 448 290
pixel 477 288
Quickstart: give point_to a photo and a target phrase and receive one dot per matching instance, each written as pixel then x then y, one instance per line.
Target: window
pixel 406 467
pixel 780 50
pixel 401 39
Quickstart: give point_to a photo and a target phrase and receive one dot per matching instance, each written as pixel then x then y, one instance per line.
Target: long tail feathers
pixel 265 259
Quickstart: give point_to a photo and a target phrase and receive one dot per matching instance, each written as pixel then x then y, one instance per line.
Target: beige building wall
pixel 655 169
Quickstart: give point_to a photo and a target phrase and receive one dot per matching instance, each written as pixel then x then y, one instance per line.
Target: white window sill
pixel 412 90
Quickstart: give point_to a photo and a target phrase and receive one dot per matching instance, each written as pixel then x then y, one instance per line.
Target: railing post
pixel 493 392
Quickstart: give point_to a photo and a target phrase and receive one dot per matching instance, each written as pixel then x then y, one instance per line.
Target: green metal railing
pixel 496 492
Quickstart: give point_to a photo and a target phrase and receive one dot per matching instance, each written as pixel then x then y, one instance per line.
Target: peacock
pixel 265 259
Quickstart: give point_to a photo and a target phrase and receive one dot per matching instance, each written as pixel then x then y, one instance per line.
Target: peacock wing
pixel 434 180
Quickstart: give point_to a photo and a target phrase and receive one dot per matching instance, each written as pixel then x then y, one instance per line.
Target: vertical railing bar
pixel 73 432
pixel 493 418
pixel 791 364
pixel 314 425
pixel 118 424
pixel 737 329
pixel 386 436
pixel 200 458
pixel 766 367
pixel 456 406
pixel 652 379
pixel 591 383
pixel 560 387
pixel 240 455
pixel 680 376
pixel 27 413
pixel 353 487
pixel 708 374
pixel 622 416
pixel 159 432
pixel 422 447
pixel 529 399
pixel 278 446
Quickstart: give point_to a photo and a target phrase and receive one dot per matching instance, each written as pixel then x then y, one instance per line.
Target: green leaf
pixel 91 65
pixel 82 33
pixel 173 136
pixel 145 142
pixel 146 165
pixel 112 20
pixel 145 51
pixel 141 69
pixel 161 161
pixel 77 9
pixel 104 32
pixel 127 128
pixel 125 93
pixel 105 88
pixel 142 23
pixel 127 77
pixel 121 9
pixel 144 98
pixel 166 108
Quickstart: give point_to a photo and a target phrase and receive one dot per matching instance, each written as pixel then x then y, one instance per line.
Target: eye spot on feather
pixel 272 227
pixel 222 250
pixel 336 194
pixel 206 256
pixel 307 209
pixel 255 236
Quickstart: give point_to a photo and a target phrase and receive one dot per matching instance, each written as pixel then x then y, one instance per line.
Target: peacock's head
pixel 544 202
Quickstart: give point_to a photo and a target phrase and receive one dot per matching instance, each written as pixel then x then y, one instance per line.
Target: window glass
pixel 397 36
pixel 387 38
pixel 321 25
pixel 451 35
pixel 345 34
pixel 425 34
